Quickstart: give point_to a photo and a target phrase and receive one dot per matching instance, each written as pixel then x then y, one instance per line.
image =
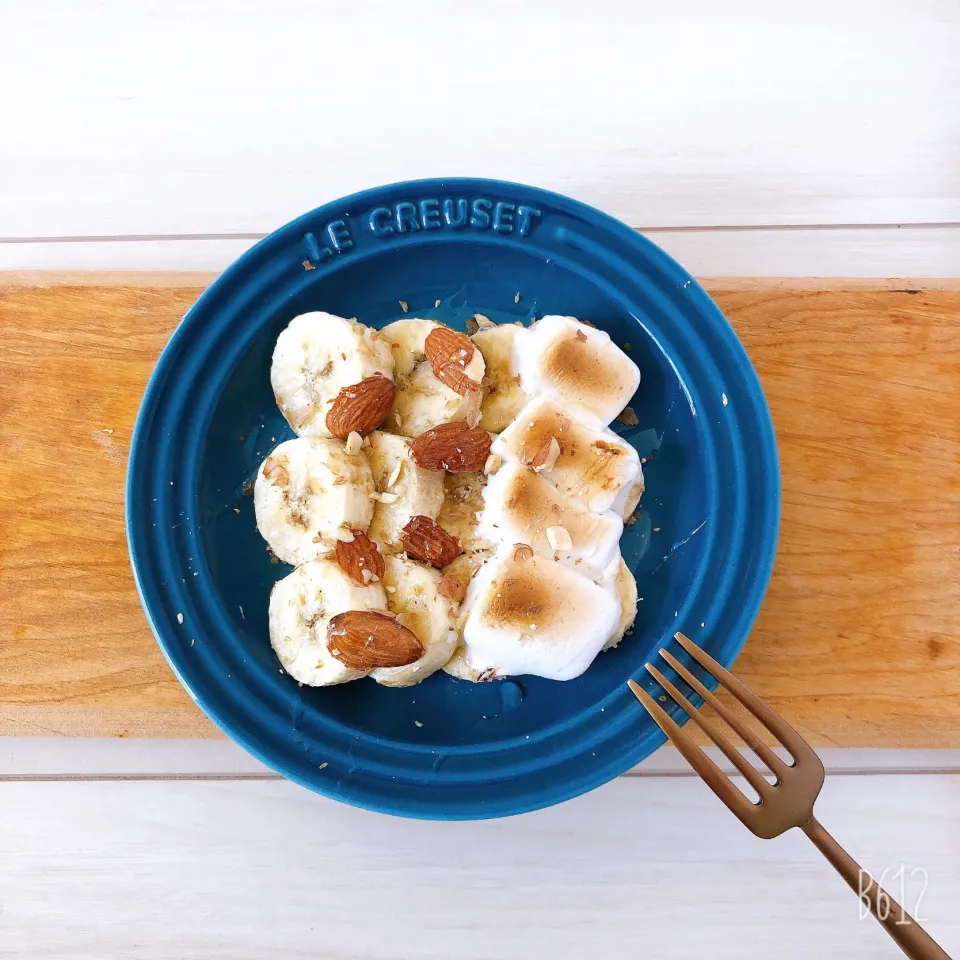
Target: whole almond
pixel 449 354
pixel 360 559
pixel 362 407
pixel 428 542
pixel 451 446
pixel 364 639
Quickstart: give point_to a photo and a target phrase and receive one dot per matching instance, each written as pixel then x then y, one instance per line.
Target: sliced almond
pixel 493 464
pixel 361 408
pixel 449 352
pixel 360 559
pixel 454 447
pixel 546 456
pixel 427 541
pixel 365 639
pixel 452 587
pixel 275 470
pixel 342 535
pixel 559 538
pixel 389 497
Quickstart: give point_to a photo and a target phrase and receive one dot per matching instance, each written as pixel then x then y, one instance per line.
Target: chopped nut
pixel 404 306
pixel 307 265
pixel 546 457
pixel 452 587
pixel 374 495
pixel 516 299
pixel 395 474
pixel 627 417
pixel 354 443
pixel 389 497
pixel 343 535
pixel 179 618
pixel 581 336
pixel 275 470
pixel 559 538
pixel 493 464
pixel 437 304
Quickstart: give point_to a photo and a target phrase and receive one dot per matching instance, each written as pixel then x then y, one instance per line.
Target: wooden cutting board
pixel 858 643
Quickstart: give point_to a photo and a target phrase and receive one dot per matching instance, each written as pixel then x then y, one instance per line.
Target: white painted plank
pixel 94 758
pixel 233 116
pixel 915 252
pixel 654 868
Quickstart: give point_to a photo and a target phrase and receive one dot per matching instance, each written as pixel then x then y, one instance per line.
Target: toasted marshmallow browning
pixel 301 607
pixel 522 507
pixel 577 365
pixel 529 615
pixel 594 466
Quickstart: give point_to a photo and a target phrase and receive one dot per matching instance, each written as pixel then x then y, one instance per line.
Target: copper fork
pixel 786 803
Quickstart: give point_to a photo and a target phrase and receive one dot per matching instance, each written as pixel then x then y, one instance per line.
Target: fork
pixel 786 803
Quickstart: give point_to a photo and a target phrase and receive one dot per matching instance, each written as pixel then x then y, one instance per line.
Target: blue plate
pixel 702 550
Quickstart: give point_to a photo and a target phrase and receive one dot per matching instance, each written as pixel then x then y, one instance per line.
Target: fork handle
pixel 909 936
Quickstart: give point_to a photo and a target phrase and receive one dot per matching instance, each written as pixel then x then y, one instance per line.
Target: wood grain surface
pixel 857 643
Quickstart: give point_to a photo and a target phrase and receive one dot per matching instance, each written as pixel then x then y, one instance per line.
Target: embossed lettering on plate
pixel 408 217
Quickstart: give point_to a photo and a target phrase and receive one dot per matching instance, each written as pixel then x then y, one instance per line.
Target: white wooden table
pixel 747 139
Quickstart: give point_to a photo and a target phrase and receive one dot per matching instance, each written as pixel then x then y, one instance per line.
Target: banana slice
pixel 462 503
pixel 502 398
pixel 404 490
pixel 315 357
pixel 422 401
pixel 301 606
pixel 308 492
pixel 577 365
pixel 625 588
pixel 412 594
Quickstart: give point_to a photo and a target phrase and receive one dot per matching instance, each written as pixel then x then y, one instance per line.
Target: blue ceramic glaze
pixel 702 550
